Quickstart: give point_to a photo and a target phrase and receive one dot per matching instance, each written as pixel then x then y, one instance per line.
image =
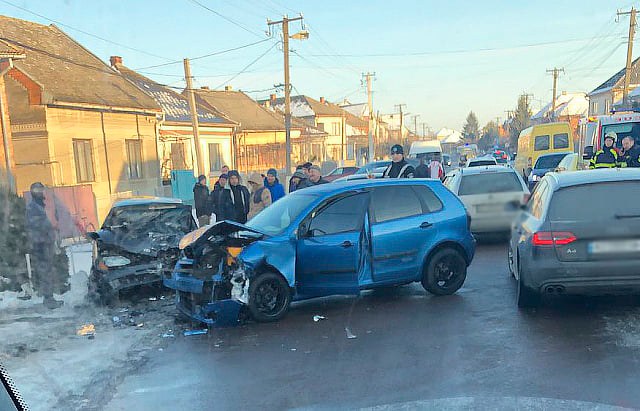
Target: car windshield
pixel 165 219
pixel 550 161
pixel 577 203
pixel 277 217
pixel 486 183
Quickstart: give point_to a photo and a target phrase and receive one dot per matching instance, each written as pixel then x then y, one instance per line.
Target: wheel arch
pixel 444 245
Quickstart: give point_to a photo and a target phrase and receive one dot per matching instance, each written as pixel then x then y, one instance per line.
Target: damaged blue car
pixel 331 239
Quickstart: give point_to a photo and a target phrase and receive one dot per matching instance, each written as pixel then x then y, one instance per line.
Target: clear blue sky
pixel 440 58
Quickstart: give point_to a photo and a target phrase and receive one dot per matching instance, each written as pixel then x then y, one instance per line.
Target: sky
pixel 440 58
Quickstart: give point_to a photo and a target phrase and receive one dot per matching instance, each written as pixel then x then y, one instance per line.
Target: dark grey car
pixel 579 233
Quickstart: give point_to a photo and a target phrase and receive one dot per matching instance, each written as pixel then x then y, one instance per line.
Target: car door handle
pixel 346 244
pixel 426 224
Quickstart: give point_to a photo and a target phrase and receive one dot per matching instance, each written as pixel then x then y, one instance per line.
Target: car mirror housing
pixel 588 153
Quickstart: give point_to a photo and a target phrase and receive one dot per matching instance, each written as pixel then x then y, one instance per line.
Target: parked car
pixel 579 233
pixel 544 164
pixel 340 172
pixel 482 161
pixel 137 244
pixel 491 194
pixel 571 162
pixel 337 238
pixel 374 169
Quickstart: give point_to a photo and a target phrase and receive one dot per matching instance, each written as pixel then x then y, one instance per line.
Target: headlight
pixel 115 261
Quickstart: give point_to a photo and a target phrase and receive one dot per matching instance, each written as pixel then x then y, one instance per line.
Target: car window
pixel 536 202
pixel 385 205
pixel 489 183
pixel 561 140
pixel 279 215
pixel 550 161
pixel 564 201
pixel 430 201
pixel 339 216
pixel 480 163
pixel 541 143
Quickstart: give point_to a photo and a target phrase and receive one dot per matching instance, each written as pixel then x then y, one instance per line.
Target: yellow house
pixel 75 120
pixel 176 146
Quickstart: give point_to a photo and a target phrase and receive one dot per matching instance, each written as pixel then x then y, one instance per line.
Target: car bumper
pixel 133 275
pixel 492 223
pixel 594 277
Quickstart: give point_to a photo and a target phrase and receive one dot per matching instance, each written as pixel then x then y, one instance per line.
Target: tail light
pixel 547 238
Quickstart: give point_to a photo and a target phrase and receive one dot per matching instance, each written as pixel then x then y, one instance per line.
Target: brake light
pixel 545 238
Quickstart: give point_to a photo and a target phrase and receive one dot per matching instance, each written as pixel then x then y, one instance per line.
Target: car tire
pixel 445 272
pixel 526 297
pixel 511 261
pixel 269 297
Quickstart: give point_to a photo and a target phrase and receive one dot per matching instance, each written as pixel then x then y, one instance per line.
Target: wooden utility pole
pixel 287 84
pixel 415 124
pixel 194 117
pixel 372 149
pixel 400 106
pixel 555 72
pixel 627 72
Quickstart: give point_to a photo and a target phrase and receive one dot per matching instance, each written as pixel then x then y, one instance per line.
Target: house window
pixel 83 156
pixel 351 149
pixel 215 158
pixel 607 106
pixel 335 129
pixel 320 126
pixel 134 159
pixel 178 160
pixel 594 107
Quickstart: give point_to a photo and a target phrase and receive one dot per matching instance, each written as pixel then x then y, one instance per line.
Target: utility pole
pixel 627 72
pixel 400 106
pixel 415 124
pixel 424 131
pixel 194 117
pixel 372 149
pixel 555 72
pixel 287 83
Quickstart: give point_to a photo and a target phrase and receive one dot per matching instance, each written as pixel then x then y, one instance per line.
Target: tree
pixel 470 129
pixel 521 119
pixel 490 136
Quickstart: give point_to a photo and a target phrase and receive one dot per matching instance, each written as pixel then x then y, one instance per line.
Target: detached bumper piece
pixel 127 277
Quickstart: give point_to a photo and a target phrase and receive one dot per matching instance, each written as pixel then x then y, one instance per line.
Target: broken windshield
pixel 155 218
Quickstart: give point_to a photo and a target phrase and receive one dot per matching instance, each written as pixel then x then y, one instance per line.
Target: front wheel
pixel 445 272
pixel 269 297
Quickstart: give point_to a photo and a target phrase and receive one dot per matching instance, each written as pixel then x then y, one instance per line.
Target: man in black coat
pixel 214 196
pixel 399 168
pixel 234 199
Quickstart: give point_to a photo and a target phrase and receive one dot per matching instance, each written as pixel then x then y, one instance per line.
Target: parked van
pixel 541 139
pixel 426 149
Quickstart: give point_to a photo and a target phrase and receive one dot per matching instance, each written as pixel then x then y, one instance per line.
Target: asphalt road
pixel 472 350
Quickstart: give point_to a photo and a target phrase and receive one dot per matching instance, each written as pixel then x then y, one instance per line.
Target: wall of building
pixel 334 127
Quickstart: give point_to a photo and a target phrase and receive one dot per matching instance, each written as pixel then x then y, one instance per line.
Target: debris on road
pixel 317 318
pixel 153 299
pixel 168 334
pixel 187 333
pixel 350 335
pixel 116 321
pixel 88 330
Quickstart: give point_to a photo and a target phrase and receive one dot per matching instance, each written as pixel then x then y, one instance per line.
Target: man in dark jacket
pixel 275 188
pixel 422 171
pixel 315 178
pixel 201 201
pixel 214 196
pixel 399 168
pixel 234 199
pixel 41 237
pixel 631 155
pixel 297 180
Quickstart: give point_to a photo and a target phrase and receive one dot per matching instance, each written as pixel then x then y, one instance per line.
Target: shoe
pixel 51 303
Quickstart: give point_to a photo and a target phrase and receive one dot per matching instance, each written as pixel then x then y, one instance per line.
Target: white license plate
pixel 611 247
pixel 490 208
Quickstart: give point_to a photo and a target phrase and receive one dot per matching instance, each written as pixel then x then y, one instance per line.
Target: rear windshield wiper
pixel 623 216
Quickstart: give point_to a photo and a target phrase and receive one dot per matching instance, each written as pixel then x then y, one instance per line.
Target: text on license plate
pixel 616 246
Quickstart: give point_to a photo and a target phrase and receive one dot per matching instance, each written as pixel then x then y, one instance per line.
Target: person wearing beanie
pixel 315 178
pixel 399 168
pixel 201 201
pixel 234 200
pixel 272 183
pixel 297 180
pixel 260 195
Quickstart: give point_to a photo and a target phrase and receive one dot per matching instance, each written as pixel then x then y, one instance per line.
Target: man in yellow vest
pixel 607 157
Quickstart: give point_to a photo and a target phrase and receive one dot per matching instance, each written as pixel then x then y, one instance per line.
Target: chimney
pixel 272 97
pixel 115 60
pixel 322 100
pixel 228 88
pixel 205 87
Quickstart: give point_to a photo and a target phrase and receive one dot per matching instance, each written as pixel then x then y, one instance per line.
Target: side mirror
pixel 588 153
pixel 92 236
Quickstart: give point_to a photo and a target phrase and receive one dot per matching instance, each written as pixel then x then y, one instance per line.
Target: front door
pixel 328 250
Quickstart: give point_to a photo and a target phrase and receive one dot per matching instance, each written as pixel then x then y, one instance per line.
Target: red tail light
pixel 543 238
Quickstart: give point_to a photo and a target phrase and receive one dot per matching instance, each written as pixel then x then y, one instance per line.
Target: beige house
pixel 75 120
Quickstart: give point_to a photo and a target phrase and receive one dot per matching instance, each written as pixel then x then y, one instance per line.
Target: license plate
pixel 489 208
pixel 614 247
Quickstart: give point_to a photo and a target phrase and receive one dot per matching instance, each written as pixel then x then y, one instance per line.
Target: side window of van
pixel 541 143
pixel 561 140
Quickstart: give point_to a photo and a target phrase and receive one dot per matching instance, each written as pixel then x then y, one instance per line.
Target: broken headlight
pixel 115 261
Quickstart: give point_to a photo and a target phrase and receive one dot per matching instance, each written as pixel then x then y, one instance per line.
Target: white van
pixel 427 149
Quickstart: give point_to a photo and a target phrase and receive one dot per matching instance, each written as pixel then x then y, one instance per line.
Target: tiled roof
pixel 616 78
pixel 175 106
pixel 240 108
pixel 68 72
pixel 8 51
pixel 304 106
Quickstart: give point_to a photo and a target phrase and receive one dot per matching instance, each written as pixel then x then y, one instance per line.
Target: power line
pixel 249 65
pixel 235 23
pixel 59 23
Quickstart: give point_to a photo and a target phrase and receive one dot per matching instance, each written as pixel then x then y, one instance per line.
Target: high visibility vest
pixel 598 160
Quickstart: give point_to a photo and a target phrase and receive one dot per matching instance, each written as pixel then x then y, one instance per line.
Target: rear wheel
pixel 269 297
pixel 527 298
pixel 445 272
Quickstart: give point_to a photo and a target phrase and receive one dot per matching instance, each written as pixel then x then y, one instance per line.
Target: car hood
pixel 142 243
pixel 221 228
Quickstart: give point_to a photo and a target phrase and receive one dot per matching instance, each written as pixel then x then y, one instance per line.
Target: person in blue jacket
pixel 273 185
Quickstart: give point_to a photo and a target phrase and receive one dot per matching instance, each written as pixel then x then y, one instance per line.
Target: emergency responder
pixel 607 157
pixel 41 237
pixel 399 168
pixel 630 157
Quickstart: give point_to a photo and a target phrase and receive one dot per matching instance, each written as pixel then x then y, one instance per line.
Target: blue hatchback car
pixel 331 239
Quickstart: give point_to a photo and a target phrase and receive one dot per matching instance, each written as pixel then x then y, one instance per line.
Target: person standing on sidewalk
pixel 272 183
pixel 260 195
pixel 42 240
pixel 201 201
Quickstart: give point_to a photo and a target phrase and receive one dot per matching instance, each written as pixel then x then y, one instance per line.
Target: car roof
pixel 555 154
pixel 340 186
pixel 574 178
pixel 146 201
pixel 486 170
